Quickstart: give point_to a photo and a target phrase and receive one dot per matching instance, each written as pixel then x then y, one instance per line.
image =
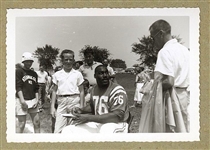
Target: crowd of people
pixel 86 98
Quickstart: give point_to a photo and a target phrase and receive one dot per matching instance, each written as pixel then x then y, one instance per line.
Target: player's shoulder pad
pixel 117 89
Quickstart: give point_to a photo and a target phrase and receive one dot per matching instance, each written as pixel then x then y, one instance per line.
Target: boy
pixel 27 94
pixel 67 85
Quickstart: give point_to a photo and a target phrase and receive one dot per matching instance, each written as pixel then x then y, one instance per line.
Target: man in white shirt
pixel 88 68
pixel 173 63
pixel 42 81
pixel 110 70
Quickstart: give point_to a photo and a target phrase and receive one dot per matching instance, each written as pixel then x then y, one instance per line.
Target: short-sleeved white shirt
pixel 110 70
pixel 174 60
pixel 88 72
pixel 68 82
pixel 42 76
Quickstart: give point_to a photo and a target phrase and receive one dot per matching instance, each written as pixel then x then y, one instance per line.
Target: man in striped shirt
pixel 108 109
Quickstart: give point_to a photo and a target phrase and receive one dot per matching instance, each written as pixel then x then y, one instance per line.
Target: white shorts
pixel 20 111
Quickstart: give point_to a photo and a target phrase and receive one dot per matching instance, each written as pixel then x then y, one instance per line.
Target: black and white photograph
pixel 95 75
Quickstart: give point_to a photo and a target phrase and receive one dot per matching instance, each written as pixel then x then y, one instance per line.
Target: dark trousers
pixel 42 93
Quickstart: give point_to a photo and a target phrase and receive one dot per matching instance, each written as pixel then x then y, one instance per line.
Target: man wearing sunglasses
pixel 172 72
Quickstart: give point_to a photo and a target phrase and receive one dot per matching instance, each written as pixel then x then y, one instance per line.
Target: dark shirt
pixel 26 81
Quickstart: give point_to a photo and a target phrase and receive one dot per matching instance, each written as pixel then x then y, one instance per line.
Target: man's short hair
pixel 57 68
pixel 65 51
pixel 99 66
pixel 79 62
pixel 86 82
pixel 41 65
pixel 141 68
pixel 160 25
pixel 88 51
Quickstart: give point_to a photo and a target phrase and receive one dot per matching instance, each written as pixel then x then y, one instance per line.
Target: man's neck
pixel 103 87
pixel 67 69
pixel 168 38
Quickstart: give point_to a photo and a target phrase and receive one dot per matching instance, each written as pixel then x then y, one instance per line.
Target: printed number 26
pixel 118 100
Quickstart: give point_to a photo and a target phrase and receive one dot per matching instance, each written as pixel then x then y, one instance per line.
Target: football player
pixel 108 109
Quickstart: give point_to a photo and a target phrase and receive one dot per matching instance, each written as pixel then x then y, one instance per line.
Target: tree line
pixel 48 55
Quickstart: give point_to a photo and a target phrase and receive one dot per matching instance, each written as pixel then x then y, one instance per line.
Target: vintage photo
pixel 83 75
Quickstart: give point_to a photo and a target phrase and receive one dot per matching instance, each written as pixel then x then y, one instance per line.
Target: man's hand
pixel 52 112
pixel 81 118
pixel 24 105
pixel 35 105
pixel 76 110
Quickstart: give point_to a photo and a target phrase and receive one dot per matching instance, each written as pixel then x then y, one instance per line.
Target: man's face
pixel 41 68
pixel 105 62
pixel 77 65
pixel 102 76
pixel 68 60
pixel 158 40
pixel 89 58
pixel 28 64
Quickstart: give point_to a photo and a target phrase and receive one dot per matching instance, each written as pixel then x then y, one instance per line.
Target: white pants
pixel 65 104
pixel 138 96
pixel 93 127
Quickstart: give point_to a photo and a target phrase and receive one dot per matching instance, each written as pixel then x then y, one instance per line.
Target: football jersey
pixel 114 98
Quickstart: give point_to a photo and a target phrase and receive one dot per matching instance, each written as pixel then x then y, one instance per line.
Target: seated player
pixel 108 109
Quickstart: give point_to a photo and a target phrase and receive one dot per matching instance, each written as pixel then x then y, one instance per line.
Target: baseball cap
pixel 27 56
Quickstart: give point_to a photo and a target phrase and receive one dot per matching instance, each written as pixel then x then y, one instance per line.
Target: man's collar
pixel 170 41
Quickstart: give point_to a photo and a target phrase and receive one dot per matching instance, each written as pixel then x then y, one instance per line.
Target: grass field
pixel 126 80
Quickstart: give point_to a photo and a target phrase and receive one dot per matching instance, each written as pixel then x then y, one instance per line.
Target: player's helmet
pixel 27 56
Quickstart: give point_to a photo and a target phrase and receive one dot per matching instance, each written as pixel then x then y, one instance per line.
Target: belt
pixel 41 83
pixel 67 95
pixel 181 87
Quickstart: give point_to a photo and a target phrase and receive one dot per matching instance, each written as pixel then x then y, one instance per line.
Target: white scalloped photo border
pixel 192 13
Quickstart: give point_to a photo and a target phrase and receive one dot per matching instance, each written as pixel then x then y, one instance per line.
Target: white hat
pixel 27 56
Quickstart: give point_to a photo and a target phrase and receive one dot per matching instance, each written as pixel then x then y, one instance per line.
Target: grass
pixel 126 80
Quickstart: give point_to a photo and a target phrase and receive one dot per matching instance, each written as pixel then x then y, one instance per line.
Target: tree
pixel 144 48
pixel 118 63
pixel 47 56
pixel 99 53
pixel 148 55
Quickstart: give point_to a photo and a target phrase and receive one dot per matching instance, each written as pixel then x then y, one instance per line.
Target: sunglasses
pixel 153 37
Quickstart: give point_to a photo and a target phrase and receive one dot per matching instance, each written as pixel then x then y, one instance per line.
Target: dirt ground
pixel 126 80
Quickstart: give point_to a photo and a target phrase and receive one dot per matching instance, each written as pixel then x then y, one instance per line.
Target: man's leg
pixel 114 128
pixel 61 121
pixel 21 115
pixel 40 96
pixel 36 122
pixel 43 93
pixel 21 123
pixel 90 127
pixel 184 102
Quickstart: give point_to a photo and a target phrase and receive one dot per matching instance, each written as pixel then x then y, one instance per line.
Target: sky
pixel 115 33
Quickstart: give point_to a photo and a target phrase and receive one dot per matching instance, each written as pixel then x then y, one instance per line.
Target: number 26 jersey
pixel 114 98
